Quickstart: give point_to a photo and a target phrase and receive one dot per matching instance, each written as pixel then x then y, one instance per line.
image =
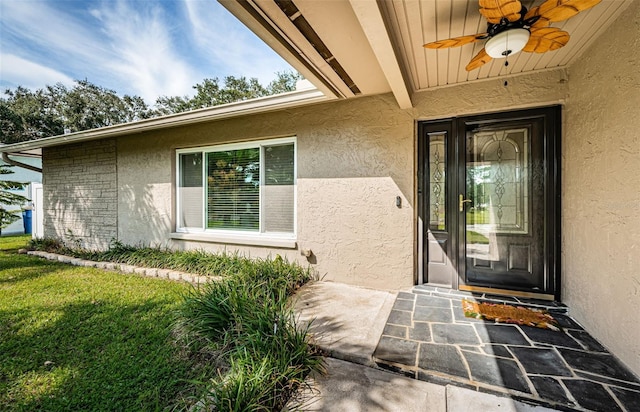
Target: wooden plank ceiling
pixel 413 23
pixel 349 48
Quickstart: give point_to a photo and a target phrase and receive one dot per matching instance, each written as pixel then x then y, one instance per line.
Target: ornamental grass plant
pixel 243 325
pixel 248 321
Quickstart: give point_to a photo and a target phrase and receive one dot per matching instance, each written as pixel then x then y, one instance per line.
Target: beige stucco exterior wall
pixel 601 189
pixel 351 167
pixel 354 157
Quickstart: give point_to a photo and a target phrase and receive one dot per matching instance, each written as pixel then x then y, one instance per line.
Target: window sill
pixel 236 239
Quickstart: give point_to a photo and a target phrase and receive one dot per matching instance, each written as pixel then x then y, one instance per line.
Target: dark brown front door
pixel 488 202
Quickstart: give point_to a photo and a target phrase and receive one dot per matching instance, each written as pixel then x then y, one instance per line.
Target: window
pixel 247 188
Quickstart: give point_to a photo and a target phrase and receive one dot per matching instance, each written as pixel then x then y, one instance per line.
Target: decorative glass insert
pixel 437 184
pixel 497 180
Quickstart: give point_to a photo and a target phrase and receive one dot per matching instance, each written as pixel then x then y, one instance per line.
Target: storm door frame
pixel 452 243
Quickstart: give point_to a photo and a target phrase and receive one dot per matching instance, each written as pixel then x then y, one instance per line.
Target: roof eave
pixel 254 106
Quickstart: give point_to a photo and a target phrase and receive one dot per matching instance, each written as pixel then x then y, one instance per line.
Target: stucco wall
pixel 354 158
pixel 601 189
pixel 351 167
pixel 80 196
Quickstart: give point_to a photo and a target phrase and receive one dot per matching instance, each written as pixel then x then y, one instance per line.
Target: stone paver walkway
pixel 427 337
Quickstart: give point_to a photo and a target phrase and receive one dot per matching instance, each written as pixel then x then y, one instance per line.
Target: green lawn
pixel 74 338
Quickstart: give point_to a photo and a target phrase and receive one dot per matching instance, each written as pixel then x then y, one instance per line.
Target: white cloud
pixel 143 53
pixel 148 48
pixel 29 74
pixel 49 32
pixel 231 46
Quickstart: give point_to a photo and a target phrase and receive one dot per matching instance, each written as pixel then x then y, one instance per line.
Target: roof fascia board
pixel 222 112
pixel 253 15
pixel 371 20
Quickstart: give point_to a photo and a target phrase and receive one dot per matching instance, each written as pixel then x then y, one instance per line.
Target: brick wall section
pixel 80 191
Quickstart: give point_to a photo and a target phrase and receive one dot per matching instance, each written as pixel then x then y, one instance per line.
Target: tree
pixel 210 92
pixel 284 82
pixel 8 199
pixel 27 115
pixel 87 106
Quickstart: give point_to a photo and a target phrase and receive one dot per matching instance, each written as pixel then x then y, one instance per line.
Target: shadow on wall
pixel 80 216
pixel 144 214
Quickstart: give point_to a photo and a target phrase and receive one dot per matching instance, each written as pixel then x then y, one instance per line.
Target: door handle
pixel 463 201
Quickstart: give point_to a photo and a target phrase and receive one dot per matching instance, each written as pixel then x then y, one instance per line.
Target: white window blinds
pixel 238 187
pixel 278 190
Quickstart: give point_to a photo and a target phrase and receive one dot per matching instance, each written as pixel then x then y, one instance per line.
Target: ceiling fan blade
pixel 495 10
pixel 456 41
pixel 478 60
pixel 535 13
pixel 560 10
pixel 546 39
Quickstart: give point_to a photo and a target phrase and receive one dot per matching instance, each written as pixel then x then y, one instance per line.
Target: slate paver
pixel 395 331
pixel 399 317
pixel 566 321
pixel 600 363
pixel 438 302
pixel 442 358
pixel 403 304
pixel 454 334
pixel 549 388
pixel 591 395
pixel 420 332
pixel 541 361
pixel 496 371
pixel 550 337
pixel 396 350
pixel 629 399
pixel 432 314
pixel 497 350
pixel 586 341
pixel 567 368
pixel 405 295
pixel 507 334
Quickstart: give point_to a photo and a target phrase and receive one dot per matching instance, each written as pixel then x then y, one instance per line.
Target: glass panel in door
pixel 503 208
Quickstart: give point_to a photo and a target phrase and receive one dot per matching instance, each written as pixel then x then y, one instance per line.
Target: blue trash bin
pixel 26 221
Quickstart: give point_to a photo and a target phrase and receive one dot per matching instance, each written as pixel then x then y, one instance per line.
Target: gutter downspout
pixel 5 158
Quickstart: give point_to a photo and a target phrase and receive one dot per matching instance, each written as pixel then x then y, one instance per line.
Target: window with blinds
pixel 243 187
pixel 190 193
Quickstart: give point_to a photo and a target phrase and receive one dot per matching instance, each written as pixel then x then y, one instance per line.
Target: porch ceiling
pixel 361 47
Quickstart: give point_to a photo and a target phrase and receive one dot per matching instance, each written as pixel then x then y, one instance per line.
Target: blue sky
pixel 148 48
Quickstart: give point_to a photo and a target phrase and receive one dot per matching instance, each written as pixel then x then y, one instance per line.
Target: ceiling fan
pixel 512 28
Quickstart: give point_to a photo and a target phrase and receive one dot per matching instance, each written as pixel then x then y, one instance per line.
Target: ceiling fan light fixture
pixel 507 43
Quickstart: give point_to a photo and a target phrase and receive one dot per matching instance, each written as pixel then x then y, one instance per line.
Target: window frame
pixel 230 235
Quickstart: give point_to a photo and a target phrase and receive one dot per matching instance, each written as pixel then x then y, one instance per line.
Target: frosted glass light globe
pixel 507 43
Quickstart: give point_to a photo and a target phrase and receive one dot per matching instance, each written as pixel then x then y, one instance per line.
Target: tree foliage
pixel 8 199
pixel 211 92
pixel 27 115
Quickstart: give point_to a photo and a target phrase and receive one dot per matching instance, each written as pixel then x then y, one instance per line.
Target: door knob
pixel 463 201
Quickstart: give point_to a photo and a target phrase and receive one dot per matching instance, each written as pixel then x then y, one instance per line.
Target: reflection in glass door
pixel 503 208
pixel 488 202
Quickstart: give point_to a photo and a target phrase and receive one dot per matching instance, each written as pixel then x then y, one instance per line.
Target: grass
pixel 84 339
pixel 102 335
pixel 192 261
pixel 246 318
pixel 478 216
pixel 477 238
